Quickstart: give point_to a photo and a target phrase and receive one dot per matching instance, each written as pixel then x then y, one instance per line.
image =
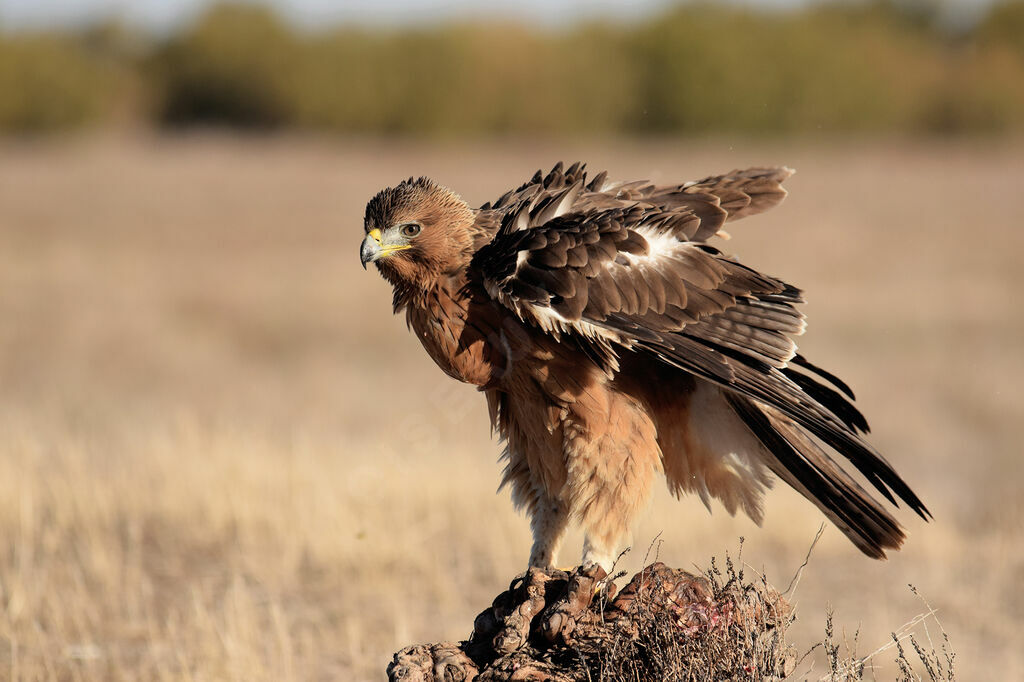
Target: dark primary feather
pixel 810 470
pixel 625 265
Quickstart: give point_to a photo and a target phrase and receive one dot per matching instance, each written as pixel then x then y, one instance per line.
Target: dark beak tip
pixel 366 253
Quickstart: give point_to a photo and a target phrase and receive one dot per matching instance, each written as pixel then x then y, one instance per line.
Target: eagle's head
pixel 417 232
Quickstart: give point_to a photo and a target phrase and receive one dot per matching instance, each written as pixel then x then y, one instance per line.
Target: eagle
pixel 614 343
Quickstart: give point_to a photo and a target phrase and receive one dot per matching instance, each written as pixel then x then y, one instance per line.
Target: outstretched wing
pixel 629 277
pixel 709 202
pixel 629 268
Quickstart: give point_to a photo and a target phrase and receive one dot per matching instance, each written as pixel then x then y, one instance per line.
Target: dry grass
pixel 225 459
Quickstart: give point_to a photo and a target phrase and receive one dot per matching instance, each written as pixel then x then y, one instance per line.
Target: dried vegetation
pixel 224 458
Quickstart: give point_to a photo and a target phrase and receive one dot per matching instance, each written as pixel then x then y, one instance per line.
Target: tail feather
pixel 800 462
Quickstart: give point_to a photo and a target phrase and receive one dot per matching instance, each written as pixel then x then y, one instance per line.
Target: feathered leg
pixel 534 471
pixel 548 524
pixel 612 457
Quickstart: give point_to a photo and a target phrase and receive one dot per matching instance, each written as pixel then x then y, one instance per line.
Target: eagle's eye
pixel 409 229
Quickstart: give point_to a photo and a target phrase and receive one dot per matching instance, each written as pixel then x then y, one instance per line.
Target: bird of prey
pixel 614 343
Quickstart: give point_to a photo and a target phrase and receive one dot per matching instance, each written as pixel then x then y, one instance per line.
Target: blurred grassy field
pixel 224 458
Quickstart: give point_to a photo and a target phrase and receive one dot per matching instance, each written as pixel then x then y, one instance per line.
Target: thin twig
pixel 899 636
pixel 799 572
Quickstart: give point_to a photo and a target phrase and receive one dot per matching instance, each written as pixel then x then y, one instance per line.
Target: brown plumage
pixel 614 343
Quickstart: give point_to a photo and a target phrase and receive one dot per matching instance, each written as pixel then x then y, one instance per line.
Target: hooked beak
pixel 373 248
pixel 370 250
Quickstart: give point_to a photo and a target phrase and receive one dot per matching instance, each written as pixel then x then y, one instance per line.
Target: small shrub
pixel 49 82
pixel 235 67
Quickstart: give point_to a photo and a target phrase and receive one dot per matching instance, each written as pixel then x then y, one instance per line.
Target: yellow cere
pixel 386 250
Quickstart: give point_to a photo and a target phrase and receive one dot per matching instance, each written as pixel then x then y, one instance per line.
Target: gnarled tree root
pixel 664 624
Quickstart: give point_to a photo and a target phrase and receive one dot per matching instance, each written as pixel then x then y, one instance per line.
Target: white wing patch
pixel 660 243
pixel 662 247
pixel 521 259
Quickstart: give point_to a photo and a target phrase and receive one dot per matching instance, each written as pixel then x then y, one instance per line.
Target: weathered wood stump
pixel 665 624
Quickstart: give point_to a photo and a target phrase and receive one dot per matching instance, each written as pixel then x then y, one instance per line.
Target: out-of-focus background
pixel 224 458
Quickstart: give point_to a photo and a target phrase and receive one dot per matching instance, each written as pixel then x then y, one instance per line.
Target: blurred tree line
pixel 884 66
